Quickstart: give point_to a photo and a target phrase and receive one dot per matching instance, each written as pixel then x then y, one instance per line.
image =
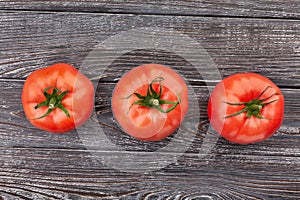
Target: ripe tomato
pixel 58 98
pixel 150 102
pixel 246 108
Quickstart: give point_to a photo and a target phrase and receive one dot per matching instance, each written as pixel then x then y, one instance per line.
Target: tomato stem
pixel 153 98
pixel 253 107
pixel 154 102
pixel 53 101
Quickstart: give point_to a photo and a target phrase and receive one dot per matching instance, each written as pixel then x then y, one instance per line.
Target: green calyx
pixel 153 99
pixel 53 101
pixel 253 107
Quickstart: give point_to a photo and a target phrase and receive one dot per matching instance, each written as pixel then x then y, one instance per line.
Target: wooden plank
pixel 237 8
pixel 16 131
pixel 62 174
pixel 39 165
pixel 33 40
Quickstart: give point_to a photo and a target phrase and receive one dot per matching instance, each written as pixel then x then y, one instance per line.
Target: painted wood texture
pixel 39 165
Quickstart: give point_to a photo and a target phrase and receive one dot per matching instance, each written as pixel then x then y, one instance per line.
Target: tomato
pixel 150 102
pixel 58 98
pixel 246 108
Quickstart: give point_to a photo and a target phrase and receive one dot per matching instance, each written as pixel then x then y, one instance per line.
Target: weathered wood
pixel 31 40
pixel 16 131
pixel 73 174
pixel 36 164
pixel 39 165
pixel 237 8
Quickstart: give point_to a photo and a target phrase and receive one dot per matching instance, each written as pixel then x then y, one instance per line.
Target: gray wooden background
pixel 239 35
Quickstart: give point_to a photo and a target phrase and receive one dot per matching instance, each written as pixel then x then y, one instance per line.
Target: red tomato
pixel 150 102
pixel 58 98
pixel 246 108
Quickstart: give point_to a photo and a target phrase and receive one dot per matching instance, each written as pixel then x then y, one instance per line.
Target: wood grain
pixel 43 165
pixel 29 173
pixel 32 40
pixel 39 165
pixel 237 8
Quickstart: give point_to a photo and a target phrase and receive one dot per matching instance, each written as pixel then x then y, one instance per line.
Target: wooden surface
pixel 257 36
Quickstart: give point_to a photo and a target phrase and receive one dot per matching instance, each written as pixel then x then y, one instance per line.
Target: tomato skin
pixel 64 77
pixel 244 87
pixel 144 123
